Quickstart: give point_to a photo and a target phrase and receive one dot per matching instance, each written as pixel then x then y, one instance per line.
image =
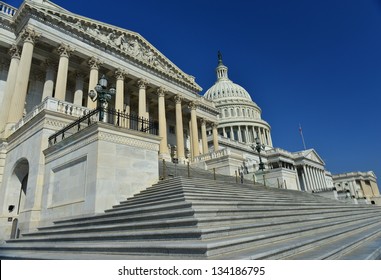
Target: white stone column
pixel 94 64
pixel 49 79
pixel 78 93
pixel 14 52
pixel 232 133
pixel 312 183
pixel 63 68
pixel 271 141
pixel 18 98
pixel 147 110
pixel 267 137
pixel 205 149
pixel 323 179
pixel 119 93
pixel 195 148
pixel 224 132
pixel 127 106
pixel 317 187
pixel 308 181
pixel 179 129
pixel 304 178
pixel 319 179
pixel 215 137
pixel 190 138
pixel 255 131
pixel 239 134
pixel 262 136
pixel 142 113
pixel 163 148
pixel 248 139
pixel 127 102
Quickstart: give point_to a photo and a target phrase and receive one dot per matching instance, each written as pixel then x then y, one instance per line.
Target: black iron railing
pixel 110 116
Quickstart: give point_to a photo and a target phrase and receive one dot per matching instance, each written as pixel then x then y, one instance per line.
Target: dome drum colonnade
pixel 180 94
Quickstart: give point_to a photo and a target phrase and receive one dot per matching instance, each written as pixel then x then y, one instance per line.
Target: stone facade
pixel 51 63
pixel 359 185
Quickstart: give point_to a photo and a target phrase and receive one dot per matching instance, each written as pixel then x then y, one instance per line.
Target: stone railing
pixel 7 9
pixel 275 151
pixel 235 143
pixel 55 105
pixel 212 155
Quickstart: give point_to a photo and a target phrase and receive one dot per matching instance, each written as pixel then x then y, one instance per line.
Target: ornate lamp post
pixel 102 94
pixel 260 147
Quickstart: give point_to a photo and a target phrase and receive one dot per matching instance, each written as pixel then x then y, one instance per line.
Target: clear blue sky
pixel 317 63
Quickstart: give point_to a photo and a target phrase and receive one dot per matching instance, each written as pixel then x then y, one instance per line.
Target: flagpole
pixel 301 134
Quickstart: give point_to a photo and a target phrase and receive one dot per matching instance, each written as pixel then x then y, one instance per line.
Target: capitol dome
pixel 224 87
pixel 239 118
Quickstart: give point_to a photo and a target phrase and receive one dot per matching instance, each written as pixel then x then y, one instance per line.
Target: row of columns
pixel 313 178
pixel 18 78
pixel 250 134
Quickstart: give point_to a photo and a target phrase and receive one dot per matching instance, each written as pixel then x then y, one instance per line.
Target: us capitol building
pixel 62 155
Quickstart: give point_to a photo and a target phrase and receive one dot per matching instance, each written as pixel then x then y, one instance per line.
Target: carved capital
pixel 161 92
pixel 193 105
pixel 203 121
pixel 178 98
pixel 14 52
pixel 142 83
pixel 30 35
pixel 65 50
pixel 120 74
pixel 215 125
pixel 94 63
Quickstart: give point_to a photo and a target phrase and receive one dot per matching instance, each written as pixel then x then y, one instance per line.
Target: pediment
pixel 313 156
pixel 127 43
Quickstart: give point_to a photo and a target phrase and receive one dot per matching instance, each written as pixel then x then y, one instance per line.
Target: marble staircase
pixel 196 218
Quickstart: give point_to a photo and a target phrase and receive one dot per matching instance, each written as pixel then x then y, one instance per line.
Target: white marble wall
pixel 97 169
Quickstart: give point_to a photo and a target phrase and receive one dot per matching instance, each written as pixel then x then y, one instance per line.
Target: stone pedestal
pixel 95 169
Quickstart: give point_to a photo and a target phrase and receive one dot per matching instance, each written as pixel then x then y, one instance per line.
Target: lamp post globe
pixel 102 94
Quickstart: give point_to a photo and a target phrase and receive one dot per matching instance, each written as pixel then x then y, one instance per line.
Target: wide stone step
pixel 369 250
pixel 119 217
pixel 340 246
pixel 193 247
pixel 297 242
pixel 119 226
pixel 217 225
pixel 210 190
pixel 265 212
pixel 126 233
pixel 187 218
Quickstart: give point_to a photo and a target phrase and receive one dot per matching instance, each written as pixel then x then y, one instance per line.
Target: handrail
pixel 110 116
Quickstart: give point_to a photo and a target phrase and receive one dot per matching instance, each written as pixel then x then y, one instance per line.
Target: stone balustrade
pixel 7 9
pixel 54 105
pixel 212 155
